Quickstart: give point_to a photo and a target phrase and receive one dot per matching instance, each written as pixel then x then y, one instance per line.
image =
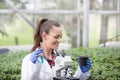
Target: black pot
pixel 82 60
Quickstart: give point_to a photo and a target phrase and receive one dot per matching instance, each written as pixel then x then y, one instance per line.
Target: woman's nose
pixel 60 39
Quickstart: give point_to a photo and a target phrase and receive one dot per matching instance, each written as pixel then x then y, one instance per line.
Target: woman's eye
pixel 56 37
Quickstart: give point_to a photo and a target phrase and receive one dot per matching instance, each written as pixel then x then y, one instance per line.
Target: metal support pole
pixel 86 23
pixel 9 2
pixel 118 21
pixel 78 24
pixel 34 15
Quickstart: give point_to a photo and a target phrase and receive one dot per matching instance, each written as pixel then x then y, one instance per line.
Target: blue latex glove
pixel 87 67
pixel 35 54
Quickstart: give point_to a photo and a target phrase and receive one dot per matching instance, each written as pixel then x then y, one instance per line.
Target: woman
pixel 40 63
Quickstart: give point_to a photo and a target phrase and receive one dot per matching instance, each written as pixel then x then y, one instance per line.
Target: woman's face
pixel 54 37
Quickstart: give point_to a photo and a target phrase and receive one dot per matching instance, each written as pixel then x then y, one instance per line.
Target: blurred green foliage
pixel 10 65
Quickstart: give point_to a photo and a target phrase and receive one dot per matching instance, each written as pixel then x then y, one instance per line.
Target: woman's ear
pixel 44 35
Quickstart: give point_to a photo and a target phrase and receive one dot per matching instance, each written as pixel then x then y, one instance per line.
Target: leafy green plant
pixel 10 65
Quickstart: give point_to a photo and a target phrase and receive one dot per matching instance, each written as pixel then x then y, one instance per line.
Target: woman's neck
pixel 47 51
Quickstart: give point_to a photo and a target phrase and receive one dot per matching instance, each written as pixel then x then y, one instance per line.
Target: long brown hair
pixel 43 25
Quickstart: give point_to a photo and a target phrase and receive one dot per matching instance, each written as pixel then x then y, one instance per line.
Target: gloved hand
pixel 86 67
pixel 35 54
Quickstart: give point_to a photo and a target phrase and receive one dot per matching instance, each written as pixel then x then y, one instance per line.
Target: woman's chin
pixel 56 47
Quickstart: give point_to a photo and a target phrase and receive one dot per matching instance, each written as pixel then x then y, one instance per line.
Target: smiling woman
pixel 42 61
pixel 47 36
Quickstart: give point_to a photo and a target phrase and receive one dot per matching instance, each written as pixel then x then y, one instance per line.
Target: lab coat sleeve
pixel 29 70
pixel 80 75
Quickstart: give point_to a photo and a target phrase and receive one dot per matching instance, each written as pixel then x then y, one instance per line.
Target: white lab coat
pixel 42 71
